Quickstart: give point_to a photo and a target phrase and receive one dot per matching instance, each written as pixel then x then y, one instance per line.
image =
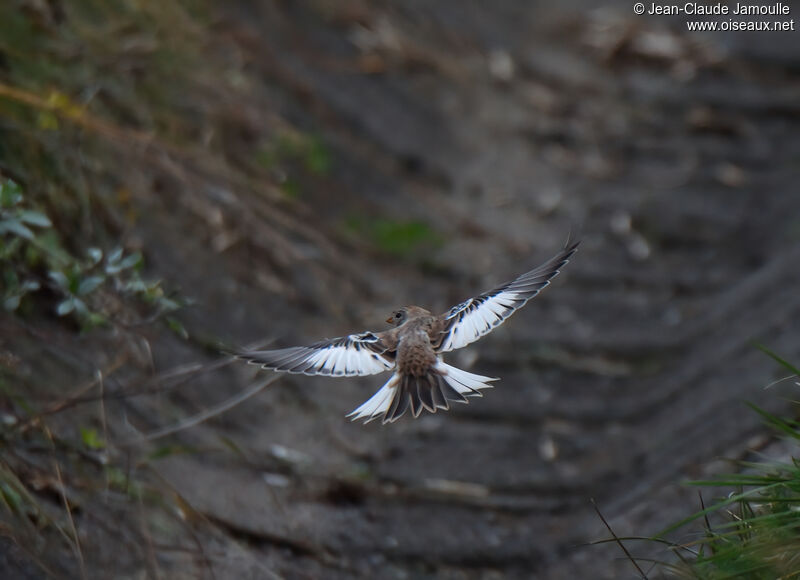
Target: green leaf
pixel 12 497
pixel 95 255
pixel 30 286
pixel 167 304
pixel 114 268
pixel 11 303
pixel 176 327
pixel 10 194
pixel 137 285
pixel 130 261
pixel 65 307
pixel 793 369
pixel 89 285
pixel 91 439
pixel 788 427
pixel 35 218
pixel 16 291
pixel 14 226
pixel 59 278
pixel 74 277
pixel 115 255
pixel 80 306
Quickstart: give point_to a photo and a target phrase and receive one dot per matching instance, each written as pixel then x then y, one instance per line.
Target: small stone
pixel 730 175
pixel 276 480
pixel 501 65
pixel 638 248
pixel 620 223
pixel 548 448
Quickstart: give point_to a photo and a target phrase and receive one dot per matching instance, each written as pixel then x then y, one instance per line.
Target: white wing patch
pixel 356 354
pixel 478 316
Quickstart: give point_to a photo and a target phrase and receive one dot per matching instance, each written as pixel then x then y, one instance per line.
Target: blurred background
pixel 178 177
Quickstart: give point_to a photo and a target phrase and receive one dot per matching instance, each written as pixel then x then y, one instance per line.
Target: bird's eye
pixel 398 315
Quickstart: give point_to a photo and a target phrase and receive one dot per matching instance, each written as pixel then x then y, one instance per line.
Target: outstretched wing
pixel 356 354
pixel 478 316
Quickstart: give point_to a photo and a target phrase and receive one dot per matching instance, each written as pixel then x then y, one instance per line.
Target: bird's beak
pixel 390 319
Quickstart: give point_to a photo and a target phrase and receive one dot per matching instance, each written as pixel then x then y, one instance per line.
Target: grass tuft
pixel 756 529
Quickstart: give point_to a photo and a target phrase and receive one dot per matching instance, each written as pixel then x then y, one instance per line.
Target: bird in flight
pixel 413 349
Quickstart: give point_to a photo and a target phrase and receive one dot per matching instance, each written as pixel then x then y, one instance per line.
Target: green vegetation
pixel 761 537
pixel 753 530
pixel 80 84
pixel 112 112
pixel 396 237
pixel 291 148
pixel 33 258
pixel 20 247
pixel 93 116
pixel 292 154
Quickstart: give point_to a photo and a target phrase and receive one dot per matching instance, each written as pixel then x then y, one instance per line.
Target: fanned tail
pixel 430 392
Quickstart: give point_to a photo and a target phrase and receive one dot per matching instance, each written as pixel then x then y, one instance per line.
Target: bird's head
pixel 398 317
pixel 402 315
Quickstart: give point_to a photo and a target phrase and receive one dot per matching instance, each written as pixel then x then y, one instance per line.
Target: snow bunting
pixel 413 349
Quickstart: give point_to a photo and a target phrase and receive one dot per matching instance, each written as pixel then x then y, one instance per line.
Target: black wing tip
pixel 554 264
pixel 550 269
pixel 254 357
pixel 242 355
pixel 570 247
pixel 573 238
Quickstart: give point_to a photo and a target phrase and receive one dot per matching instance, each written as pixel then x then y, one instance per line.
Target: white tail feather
pixel 462 381
pixel 378 404
pixel 381 403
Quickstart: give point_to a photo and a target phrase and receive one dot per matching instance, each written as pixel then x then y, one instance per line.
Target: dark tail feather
pixel 400 403
pixel 436 390
pixel 429 392
pixel 450 393
pixel 425 394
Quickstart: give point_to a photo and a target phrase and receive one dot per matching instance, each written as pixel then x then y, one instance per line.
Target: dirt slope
pixel 501 130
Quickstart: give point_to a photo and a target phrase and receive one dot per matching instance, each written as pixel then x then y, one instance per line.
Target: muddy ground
pixel 675 157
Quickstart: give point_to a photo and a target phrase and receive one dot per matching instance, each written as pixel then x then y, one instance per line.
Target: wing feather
pixel 467 322
pixel 356 354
